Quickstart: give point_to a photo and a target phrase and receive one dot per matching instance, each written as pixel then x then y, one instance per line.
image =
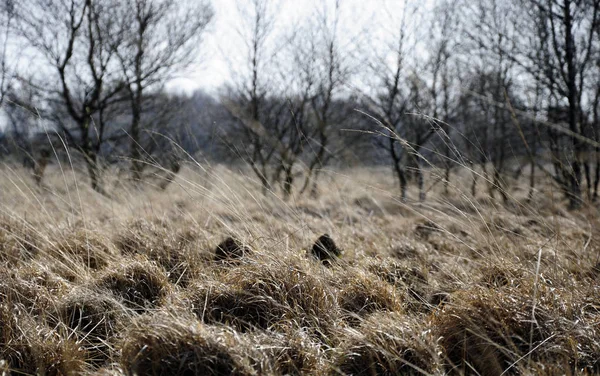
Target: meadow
pixel 135 282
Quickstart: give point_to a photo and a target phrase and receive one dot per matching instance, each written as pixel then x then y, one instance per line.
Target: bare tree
pixel 275 104
pixel 157 40
pixel 406 98
pixel 489 31
pixel 285 102
pixel 7 17
pixel 443 72
pixel 331 71
pixel 315 72
pixel 390 100
pixel 71 36
pixel 559 55
pixel 295 133
pixel 249 137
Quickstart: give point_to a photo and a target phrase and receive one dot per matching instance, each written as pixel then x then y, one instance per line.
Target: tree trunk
pixel 91 160
pixel 399 171
pixel 418 173
pixel 499 185
pixel 315 167
pixel 420 182
pixel 39 166
pixel 135 153
pixel 314 191
pixel 588 179
pixel 288 182
pixel 486 177
pixel 575 187
pixel 447 178
pixel 596 176
pixel 474 181
pixel 135 145
pixel 531 182
pixel 172 171
pixel 264 182
pixel 575 176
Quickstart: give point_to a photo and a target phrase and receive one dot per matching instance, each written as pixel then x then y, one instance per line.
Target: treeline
pixel 506 89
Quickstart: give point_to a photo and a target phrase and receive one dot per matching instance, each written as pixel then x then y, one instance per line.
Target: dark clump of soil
pixel 325 249
pixel 425 229
pixel 230 249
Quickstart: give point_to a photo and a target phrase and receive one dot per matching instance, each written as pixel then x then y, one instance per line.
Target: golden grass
pixel 211 277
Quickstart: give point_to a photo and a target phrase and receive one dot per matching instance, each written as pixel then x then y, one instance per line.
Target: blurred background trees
pixel 501 90
pixel 103 63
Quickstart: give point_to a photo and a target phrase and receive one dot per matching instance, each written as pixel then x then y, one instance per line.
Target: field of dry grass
pixel 136 283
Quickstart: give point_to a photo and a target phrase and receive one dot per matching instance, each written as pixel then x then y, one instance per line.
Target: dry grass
pixel 211 277
pixel 139 284
pixel 163 344
pixel 92 319
pixel 388 344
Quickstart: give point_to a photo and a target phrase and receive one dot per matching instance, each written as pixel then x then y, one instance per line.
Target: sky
pixel 222 42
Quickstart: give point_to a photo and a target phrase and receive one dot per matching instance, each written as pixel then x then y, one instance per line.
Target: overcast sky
pixel 223 42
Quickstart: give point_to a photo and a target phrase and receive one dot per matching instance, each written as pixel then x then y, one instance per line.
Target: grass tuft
pixel 388 343
pixel 162 344
pixel 489 330
pixel 92 319
pixel 140 284
pixel 361 295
